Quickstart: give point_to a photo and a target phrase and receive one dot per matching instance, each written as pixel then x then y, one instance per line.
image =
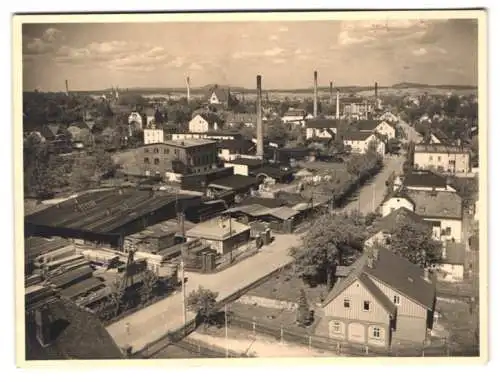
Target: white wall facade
pixel 153 136
pixel 395 203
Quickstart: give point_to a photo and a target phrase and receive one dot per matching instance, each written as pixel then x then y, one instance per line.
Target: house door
pixel 356 332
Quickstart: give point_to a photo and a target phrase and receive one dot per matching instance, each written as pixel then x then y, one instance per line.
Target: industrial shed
pixel 105 218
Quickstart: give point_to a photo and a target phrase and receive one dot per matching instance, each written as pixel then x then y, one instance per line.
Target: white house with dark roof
pixel 442 209
pixel 321 129
pixel 294 117
pixel 424 180
pixel 381 127
pixel 204 123
pixel 360 141
pixel 385 299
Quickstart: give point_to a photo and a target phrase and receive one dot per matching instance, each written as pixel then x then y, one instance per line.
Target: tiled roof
pixel 392 270
pixel 424 178
pixel 438 148
pixel 248 162
pixel 367 125
pixel 76 334
pixel 356 135
pixel 221 94
pixel 244 145
pixel 35 246
pixel 397 218
pixel 442 204
pixel 235 182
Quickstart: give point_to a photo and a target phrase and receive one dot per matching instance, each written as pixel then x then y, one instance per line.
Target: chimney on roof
pixel 67 87
pixel 315 104
pixel 43 323
pixel 188 88
pixel 260 133
pixel 331 93
pixel 337 108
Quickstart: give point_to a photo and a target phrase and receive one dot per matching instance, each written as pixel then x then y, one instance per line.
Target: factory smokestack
pixel 67 87
pixel 337 106
pixel 315 105
pixel 188 88
pixel 331 93
pixel 376 90
pixel 260 133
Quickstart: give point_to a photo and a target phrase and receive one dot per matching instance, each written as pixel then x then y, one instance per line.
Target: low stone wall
pixel 267 302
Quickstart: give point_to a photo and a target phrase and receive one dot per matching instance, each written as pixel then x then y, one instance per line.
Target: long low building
pixel 105 218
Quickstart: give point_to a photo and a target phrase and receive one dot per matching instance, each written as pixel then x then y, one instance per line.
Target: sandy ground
pixel 260 346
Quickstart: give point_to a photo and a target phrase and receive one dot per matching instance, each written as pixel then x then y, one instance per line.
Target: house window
pixel 336 327
pixel 396 300
pixel 146 160
pixel 347 303
pixel 366 306
pixel 146 150
pixel 376 332
pixel 156 150
pixel 166 151
pixel 157 161
pixel 439 159
pixel 447 231
pixel 430 157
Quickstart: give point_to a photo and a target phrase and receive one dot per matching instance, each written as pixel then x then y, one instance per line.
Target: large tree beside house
pixel 332 240
pixel 203 302
pixel 414 241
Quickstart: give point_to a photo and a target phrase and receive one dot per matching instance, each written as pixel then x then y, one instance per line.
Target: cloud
pixel 117 54
pixel 195 66
pixel 273 52
pixel 419 52
pixel 375 33
pixel 273 38
pixel 46 43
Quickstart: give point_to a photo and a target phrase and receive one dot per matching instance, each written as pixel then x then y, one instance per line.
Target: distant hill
pixel 408 85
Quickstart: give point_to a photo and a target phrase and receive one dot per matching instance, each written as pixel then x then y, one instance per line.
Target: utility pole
pixel 225 326
pixel 183 248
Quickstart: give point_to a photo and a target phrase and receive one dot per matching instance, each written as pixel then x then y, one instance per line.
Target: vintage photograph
pixel 287 185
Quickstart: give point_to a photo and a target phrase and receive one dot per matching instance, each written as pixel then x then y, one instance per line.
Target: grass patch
pixel 285 286
pixel 458 323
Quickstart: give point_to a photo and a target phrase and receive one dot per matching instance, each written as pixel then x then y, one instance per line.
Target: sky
pixel 94 56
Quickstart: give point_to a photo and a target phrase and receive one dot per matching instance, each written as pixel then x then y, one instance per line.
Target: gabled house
pixel 217 96
pixel 321 129
pixel 381 231
pixel 202 123
pixel 443 209
pixel 381 127
pixel 389 117
pixel 360 141
pixel 384 300
pixel 422 180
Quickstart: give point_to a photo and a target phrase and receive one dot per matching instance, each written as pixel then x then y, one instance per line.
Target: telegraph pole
pixel 183 245
pixel 225 325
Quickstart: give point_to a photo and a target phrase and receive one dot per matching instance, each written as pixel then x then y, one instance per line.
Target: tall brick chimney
pixel 331 93
pixel 67 87
pixel 188 88
pixel 337 109
pixel 376 90
pixel 315 105
pixel 260 133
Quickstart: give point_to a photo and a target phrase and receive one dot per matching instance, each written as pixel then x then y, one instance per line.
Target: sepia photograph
pixel 251 185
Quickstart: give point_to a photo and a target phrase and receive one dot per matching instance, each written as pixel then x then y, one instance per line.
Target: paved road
pixel 372 194
pixel 151 323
